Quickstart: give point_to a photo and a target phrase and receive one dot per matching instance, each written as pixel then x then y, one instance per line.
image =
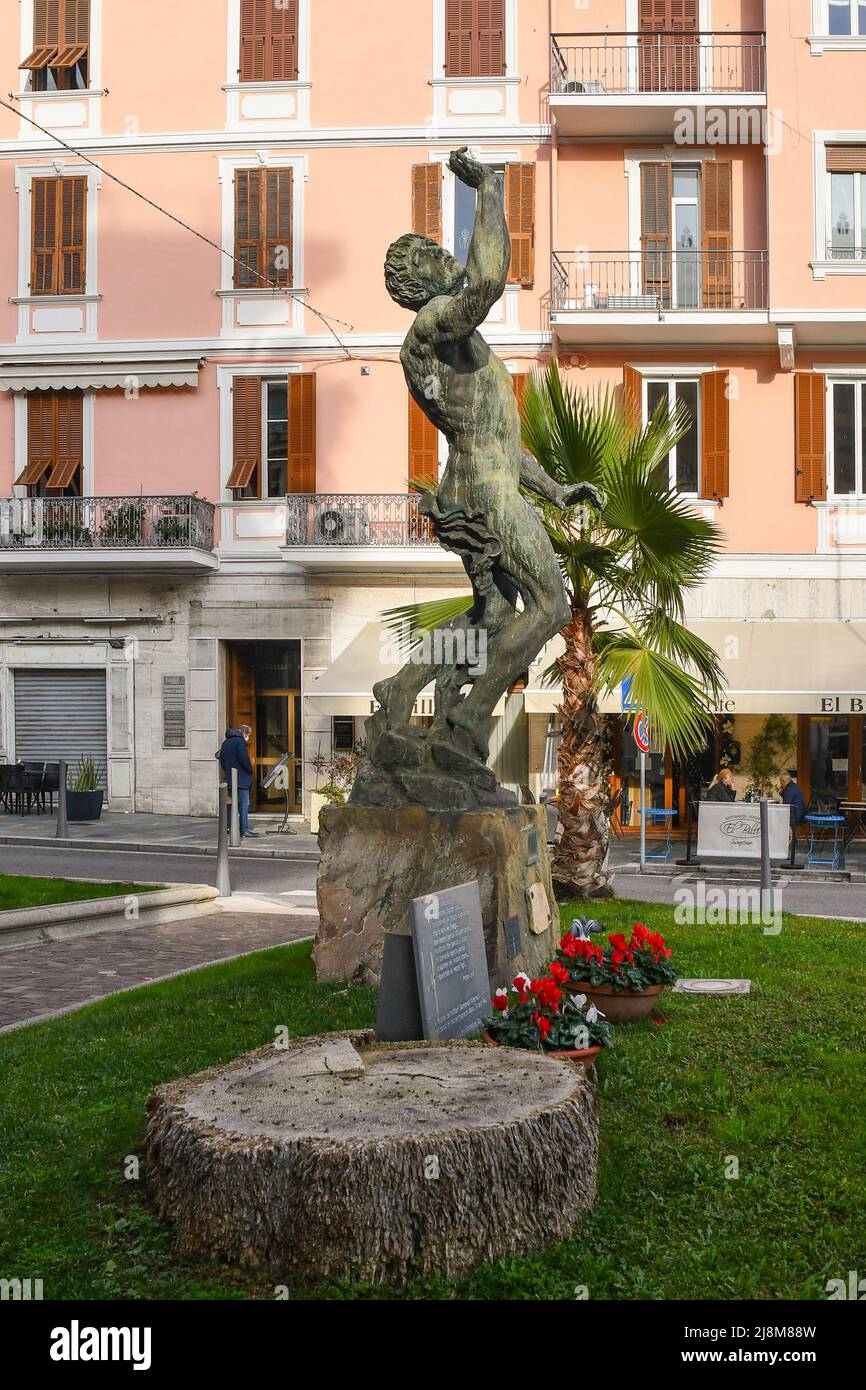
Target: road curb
pixel 27 926
pixel 301 856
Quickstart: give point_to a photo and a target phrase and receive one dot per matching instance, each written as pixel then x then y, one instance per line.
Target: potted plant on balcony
pixel 623 978
pixel 542 1016
pixel 122 525
pixel 85 795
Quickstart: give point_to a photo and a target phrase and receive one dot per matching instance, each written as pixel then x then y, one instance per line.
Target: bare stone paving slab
pixel 55 977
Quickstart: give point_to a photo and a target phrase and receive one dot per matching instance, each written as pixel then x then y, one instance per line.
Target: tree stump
pixel 340 1158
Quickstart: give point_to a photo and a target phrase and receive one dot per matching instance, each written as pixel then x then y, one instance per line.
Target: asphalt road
pixel 248 875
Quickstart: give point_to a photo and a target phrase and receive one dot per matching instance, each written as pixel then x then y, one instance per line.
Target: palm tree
pixel 627 568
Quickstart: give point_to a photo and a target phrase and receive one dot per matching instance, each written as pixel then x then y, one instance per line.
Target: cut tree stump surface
pixel 343 1158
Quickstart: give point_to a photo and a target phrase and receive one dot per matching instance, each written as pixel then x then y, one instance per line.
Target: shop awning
pixel 347 685
pixel 113 376
pixel 771 667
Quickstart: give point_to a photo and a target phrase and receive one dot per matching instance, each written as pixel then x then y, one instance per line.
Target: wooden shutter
pixel 277 221
pixel 718 231
pixel 715 434
pixel 40 439
pixel 491 38
pixel 76 22
pixel 810 437
pixel 73 235
pixel 423 446
pixel 269 41
pixel 284 43
pixel 520 216
pixel 846 159
pixel 246 431
pixel 518 381
pixel 248 229
pixel 655 199
pixel 44 194
pixel 46 23
pixel 302 432
pixel 459 31
pixel 632 397
pixel 427 200
pixel 68 438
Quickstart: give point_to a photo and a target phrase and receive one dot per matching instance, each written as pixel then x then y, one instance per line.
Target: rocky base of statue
pixel 415 766
pixel 337 1158
pixel 374 862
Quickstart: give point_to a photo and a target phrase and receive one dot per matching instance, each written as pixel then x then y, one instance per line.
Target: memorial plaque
pixel 532 847
pixel 174 711
pixel 513 945
pixel 451 962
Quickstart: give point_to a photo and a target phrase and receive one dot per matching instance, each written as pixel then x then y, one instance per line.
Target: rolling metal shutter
pixel 60 714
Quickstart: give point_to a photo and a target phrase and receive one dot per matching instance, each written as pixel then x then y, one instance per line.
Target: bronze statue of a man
pixel 477 512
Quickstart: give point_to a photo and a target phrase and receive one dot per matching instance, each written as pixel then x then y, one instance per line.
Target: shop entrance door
pixel 263 685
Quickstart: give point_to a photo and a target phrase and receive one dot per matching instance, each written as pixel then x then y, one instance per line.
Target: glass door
pixel 687 238
pixel 278 722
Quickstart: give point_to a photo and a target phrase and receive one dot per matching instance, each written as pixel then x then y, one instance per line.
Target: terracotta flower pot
pixel 618 1006
pixel 585 1055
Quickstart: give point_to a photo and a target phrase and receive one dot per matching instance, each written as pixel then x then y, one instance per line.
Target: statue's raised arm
pixel 456 316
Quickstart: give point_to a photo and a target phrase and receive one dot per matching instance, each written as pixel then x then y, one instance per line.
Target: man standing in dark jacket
pixel 234 753
pixel 792 796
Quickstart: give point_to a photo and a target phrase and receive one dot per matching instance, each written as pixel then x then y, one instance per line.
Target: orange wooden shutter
pixel 302 432
pixel 459 37
pixel 718 233
pixel 68 438
pixel 715 434
pixel 284 43
pixel 655 197
pixel 73 235
pixel 518 381
pixel 76 22
pixel 491 38
pixel 520 216
pixel 246 431
pixel 427 200
pixel 40 439
pixel 44 194
pixel 277 219
pixel 632 397
pixel 248 229
pixel 423 446
pixel 810 436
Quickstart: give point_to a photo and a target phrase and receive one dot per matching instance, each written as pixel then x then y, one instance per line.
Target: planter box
pixel 84 805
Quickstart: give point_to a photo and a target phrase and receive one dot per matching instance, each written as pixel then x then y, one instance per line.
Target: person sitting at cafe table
pixel 792 795
pixel 722 788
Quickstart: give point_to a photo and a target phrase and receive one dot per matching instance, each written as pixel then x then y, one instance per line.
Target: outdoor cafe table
pixel 820 828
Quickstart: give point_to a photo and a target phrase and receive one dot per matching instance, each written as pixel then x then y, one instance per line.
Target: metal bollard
pixel 235 837
pixel 767 904
pixel 223 874
pixel 61 831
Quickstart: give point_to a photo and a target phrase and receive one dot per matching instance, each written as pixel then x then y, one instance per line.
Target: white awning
pixel 770 667
pixel 99 376
pixel 347 685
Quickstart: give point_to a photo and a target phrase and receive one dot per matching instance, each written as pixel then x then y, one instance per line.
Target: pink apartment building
pixel 205 501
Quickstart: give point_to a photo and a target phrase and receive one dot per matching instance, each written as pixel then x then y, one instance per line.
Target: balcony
pixel 613 85
pixel 107 533
pixel 382 531
pixel 621 297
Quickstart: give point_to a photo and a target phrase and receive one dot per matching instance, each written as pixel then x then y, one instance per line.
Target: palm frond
pixel 410 622
pixel 677 703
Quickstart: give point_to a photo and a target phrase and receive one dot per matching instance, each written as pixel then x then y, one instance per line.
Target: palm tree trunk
pixel 579 857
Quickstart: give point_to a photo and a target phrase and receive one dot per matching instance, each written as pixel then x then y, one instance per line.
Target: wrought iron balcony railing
pixel 659 281
pixel 106 523
pixel 356 519
pixel 629 63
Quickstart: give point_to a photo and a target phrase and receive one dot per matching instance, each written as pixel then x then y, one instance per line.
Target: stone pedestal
pixel 375 861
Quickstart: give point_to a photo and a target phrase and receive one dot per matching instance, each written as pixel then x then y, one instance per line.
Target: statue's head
pixel 418 269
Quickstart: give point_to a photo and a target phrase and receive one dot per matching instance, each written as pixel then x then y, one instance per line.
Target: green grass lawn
pixel 776 1081
pixel 16 890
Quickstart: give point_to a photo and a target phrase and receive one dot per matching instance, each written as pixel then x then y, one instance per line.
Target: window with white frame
pixel 465 204
pixel 683 461
pixel 846 237
pixel 845 17
pixel 846 419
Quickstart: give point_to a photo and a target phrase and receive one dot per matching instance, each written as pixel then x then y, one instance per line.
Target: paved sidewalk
pixel 38 981
pixel 170 834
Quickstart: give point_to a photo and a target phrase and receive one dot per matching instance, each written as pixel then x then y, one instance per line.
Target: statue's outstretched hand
pixel 467 169
pixel 583 492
